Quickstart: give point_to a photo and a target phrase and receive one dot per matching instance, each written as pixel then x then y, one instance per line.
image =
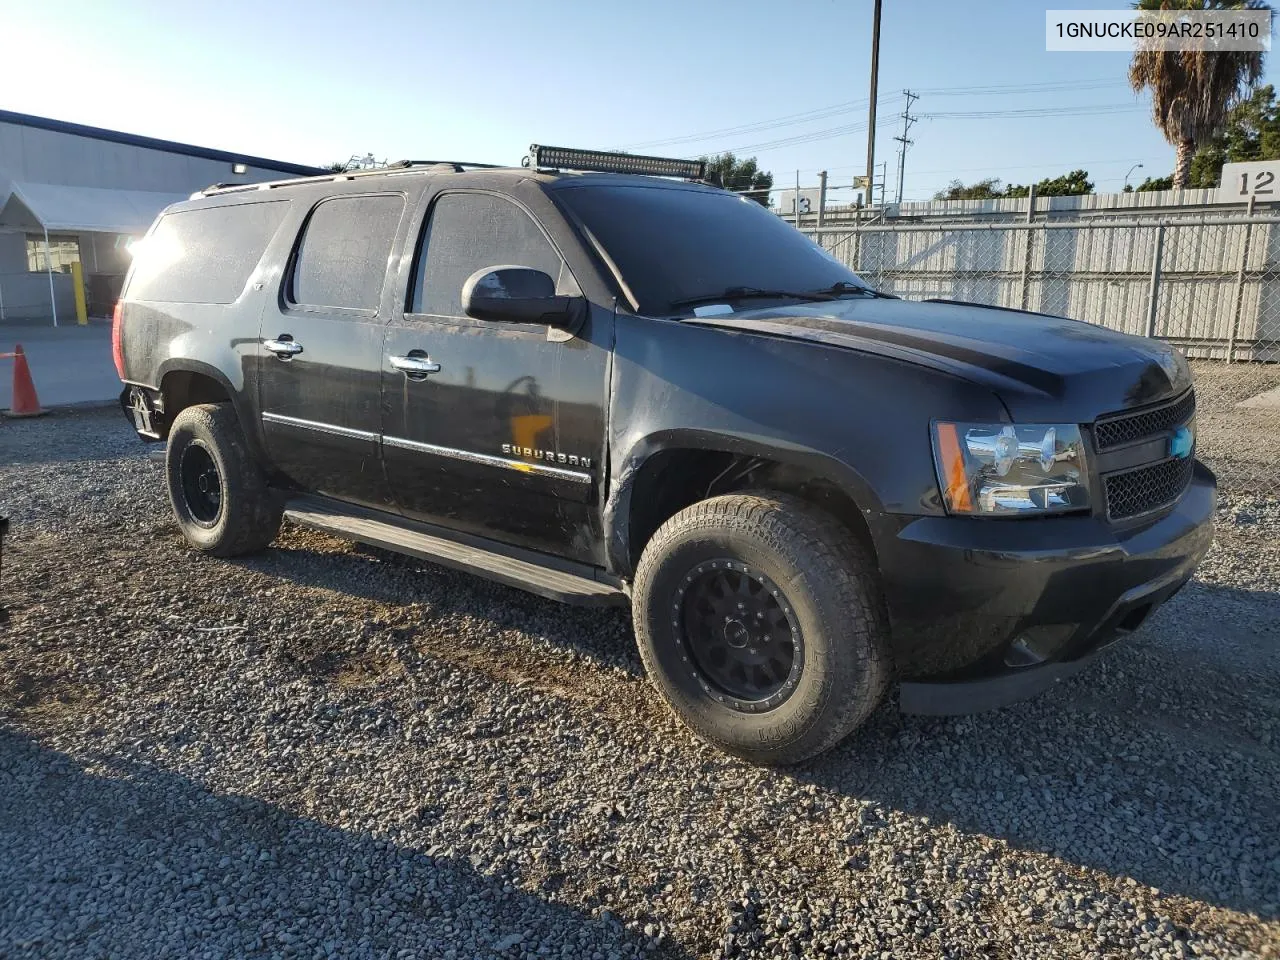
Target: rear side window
pixel 345 247
pixel 470 231
pixel 205 255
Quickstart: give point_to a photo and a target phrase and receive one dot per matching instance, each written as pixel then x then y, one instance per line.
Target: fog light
pixel 1020 654
pixel 1038 644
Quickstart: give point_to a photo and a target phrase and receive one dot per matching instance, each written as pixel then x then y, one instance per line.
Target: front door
pixel 499 431
pixel 322 350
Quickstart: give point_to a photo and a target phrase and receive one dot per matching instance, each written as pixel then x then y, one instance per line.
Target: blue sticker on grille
pixel 1181 443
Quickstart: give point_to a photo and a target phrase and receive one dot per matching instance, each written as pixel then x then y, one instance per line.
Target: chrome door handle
pixel 415 366
pixel 284 349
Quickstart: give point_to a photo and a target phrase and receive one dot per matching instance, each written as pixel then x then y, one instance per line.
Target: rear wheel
pixel 218 492
pixel 760 622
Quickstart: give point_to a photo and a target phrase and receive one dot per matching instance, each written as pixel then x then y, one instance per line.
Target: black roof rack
pixel 542 158
pixel 458 165
pixel 400 166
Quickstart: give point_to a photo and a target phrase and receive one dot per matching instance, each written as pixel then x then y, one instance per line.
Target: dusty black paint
pixel 831 400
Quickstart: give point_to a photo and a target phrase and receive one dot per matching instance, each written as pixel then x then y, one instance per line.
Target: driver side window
pixel 465 233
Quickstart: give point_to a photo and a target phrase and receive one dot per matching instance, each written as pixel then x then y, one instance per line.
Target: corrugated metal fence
pixel 1210 285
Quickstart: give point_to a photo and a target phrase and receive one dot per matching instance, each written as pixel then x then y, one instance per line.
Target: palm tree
pixel 1192 90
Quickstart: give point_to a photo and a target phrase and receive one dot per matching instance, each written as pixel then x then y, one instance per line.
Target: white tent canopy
pixel 68 209
pixel 43 207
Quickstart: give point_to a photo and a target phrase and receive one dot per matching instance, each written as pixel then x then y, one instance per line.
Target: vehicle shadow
pixel 1160 763
pixel 602 635
pixel 104 861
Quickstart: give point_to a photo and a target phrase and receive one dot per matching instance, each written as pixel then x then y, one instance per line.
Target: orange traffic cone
pixel 25 402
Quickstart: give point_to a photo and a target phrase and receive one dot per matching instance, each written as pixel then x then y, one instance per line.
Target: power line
pixel 820 113
pixel 849 106
pixel 1013 89
pixel 1069 111
pixel 903 142
pixel 828 133
pixel 812 137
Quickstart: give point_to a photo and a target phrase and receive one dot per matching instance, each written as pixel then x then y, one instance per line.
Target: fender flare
pixel 627 468
pixel 243 406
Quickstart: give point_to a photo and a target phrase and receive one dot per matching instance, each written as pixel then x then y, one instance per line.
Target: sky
pixel 479 81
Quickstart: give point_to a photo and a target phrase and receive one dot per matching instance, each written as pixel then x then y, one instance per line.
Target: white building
pixel 74 193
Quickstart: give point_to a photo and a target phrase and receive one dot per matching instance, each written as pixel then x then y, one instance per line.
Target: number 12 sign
pixel 1260 179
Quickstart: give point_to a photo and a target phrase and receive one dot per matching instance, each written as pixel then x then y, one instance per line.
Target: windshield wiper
pixel 754 293
pixel 842 287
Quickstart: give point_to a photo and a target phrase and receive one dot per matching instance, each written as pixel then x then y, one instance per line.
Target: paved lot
pixel 330 751
pixel 69 364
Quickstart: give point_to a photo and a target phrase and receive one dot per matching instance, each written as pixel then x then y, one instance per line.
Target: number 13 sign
pixel 1260 179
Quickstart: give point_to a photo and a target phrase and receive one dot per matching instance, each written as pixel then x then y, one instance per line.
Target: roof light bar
pixel 601 161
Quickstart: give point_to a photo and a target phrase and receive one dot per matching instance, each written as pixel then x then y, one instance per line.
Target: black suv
pixel 622 387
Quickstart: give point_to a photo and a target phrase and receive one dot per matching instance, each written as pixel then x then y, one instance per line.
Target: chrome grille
pixel 1117 430
pixel 1144 489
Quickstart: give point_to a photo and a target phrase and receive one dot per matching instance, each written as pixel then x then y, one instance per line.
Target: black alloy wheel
pixel 201 484
pixel 760 622
pixel 220 495
pixel 740 633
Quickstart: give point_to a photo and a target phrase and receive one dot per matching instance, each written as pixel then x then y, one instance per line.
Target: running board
pixel 522 569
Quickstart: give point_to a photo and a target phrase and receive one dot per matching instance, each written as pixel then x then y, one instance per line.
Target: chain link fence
pixel 1211 287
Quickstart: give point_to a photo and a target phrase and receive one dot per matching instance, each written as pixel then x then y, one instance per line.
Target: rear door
pixel 506 438
pixel 322 349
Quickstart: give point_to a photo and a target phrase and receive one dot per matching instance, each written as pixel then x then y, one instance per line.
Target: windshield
pixel 675 245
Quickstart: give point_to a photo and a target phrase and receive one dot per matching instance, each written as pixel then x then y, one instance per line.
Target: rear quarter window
pixel 343 256
pixel 204 255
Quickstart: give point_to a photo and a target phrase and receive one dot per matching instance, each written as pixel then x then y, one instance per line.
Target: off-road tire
pixel 830 584
pixel 249 515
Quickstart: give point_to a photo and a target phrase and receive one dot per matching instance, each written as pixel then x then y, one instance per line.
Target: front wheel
pixel 218 492
pixel 760 622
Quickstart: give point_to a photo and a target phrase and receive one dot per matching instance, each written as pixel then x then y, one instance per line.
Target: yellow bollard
pixel 77 281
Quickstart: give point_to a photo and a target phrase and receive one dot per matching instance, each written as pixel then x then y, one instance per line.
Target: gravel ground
pixel 1242 444
pixel 330 751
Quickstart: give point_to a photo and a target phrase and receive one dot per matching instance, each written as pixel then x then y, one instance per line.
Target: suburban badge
pixel 547 456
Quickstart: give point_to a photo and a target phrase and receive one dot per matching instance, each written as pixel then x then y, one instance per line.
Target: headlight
pixel 1003 469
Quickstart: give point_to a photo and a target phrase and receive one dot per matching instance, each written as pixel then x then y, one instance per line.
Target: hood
pixel 1043 368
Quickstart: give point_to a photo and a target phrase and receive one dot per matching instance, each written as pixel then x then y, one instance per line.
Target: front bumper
pixel 986 612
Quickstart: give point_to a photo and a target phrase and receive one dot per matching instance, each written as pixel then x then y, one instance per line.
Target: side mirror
pixel 517 295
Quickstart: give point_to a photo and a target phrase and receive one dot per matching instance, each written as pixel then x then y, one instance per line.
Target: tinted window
pixel 206 255
pixel 342 259
pixel 469 231
pixel 671 243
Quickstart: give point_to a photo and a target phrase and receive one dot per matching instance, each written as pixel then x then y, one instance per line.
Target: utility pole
pixel 871 119
pixel 907 121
